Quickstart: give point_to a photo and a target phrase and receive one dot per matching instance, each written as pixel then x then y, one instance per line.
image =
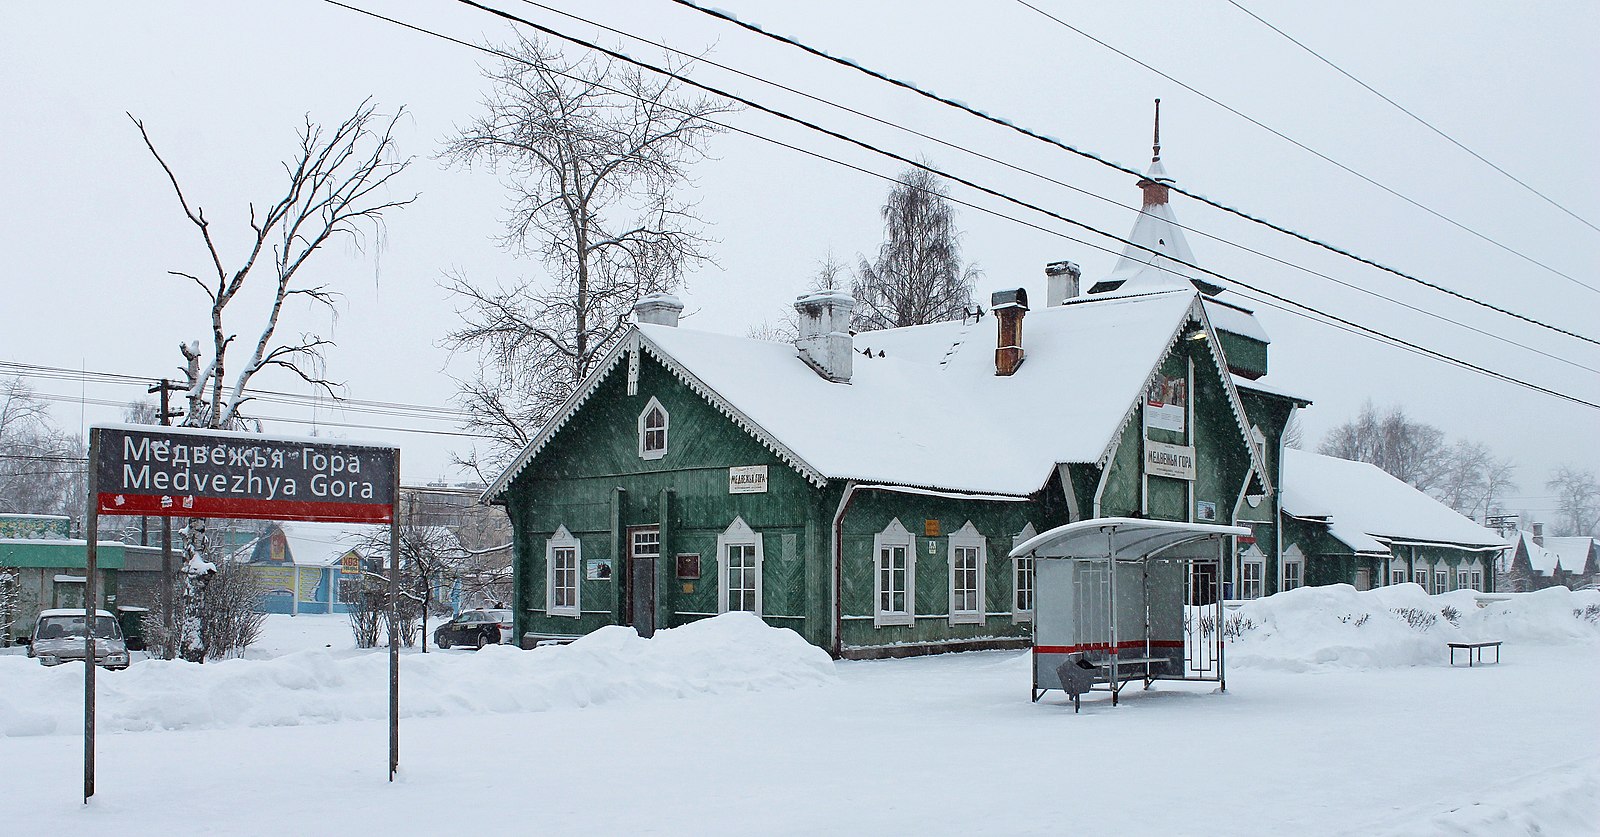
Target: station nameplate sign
pixel 183 473
pixel 1164 460
pixel 747 479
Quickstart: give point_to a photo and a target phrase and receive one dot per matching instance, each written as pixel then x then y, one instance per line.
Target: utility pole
pixel 168 572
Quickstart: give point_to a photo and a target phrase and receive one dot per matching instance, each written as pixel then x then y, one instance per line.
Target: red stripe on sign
pixel 1125 645
pixel 322 511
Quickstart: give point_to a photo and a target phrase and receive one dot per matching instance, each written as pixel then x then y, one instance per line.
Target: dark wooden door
pixel 644 549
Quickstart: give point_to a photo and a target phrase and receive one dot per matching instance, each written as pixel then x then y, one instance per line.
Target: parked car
pixel 58 637
pixel 476 628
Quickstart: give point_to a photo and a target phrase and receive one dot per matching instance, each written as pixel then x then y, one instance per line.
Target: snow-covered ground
pixel 725 727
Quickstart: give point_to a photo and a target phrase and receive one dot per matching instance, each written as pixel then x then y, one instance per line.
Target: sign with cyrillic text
pixel 177 472
pixel 747 479
pixel 1163 460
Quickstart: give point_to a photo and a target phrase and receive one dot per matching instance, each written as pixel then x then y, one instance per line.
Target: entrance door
pixel 644 548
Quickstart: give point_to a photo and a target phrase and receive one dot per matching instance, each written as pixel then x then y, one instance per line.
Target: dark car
pixel 475 628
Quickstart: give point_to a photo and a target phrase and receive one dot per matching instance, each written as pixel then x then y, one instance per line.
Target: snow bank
pixel 1399 625
pixel 735 652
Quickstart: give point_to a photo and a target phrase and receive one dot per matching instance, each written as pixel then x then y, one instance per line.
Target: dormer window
pixel 653 431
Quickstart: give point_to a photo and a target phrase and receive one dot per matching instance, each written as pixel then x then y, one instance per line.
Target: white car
pixel 59 637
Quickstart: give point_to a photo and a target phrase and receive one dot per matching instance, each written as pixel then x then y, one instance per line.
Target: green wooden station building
pixel 866 489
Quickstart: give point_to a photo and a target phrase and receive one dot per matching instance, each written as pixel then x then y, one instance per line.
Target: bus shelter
pixel 1121 599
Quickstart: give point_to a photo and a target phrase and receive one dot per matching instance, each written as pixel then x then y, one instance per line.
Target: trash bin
pixel 131 620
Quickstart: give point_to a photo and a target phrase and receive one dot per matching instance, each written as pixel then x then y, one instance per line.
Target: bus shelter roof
pixel 1128 539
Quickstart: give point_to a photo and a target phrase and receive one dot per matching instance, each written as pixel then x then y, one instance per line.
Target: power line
pixel 1425 123
pixel 1320 316
pixel 1308 149
pixel 1039 175
pixel 390 408
pixel 1088 155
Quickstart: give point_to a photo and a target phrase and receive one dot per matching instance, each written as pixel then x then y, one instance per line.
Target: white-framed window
pixel 1254 573
pixel 1477 580
pixel 739 554
pixel 1420 576
pixel 894 576
pixel 1461 580
pixel 1022 578
pixel 1441 581
pixel 1397 576
pixel 653 422
pixel 1293 575
pixel 563 555
pixel 969 555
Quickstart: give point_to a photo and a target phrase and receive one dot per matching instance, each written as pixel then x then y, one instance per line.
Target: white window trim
pixel 969 536
pixel 563 539
pixel 1019 614
pixel 895 534
pixel 666 425
pixel 1441 579
pixel 1292 556
pixel 1253 556
pixel 738 533
pixel 1300 576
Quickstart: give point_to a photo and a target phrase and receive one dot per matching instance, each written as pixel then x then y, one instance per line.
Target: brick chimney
pixel 1538 534
pixel 1009 307
pixel 658 309
pixel 824 342
pixel 1061 282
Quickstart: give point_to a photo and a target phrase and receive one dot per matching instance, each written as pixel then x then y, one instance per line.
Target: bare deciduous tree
pixel 1474 480
pixel 593 155
pixel 917 276
pixel 1578 501
pixel 41 466
pixel 338 186
pixel 787 328
pixel 1412 451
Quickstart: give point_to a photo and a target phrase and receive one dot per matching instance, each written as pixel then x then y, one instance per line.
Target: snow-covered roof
pixel 1368 509
pixel 1270 388
pixel 1543 559
pixel 1140 271
pixel 1225 316
pixel 1573 552
pixel 926 408
pixel 69 611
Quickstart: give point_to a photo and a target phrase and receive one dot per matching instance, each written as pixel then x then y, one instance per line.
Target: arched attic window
pixel 653 430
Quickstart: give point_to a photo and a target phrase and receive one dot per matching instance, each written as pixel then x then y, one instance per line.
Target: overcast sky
pixel 90 226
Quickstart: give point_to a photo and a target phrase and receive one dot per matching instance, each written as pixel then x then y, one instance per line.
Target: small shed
pixel 1110 597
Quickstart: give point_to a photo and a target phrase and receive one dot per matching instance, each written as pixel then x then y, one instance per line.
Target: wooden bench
pixel 1474 649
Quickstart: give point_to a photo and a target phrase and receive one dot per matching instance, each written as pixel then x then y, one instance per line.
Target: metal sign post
pixel 181 472
pixel 394 637
pixel 91 594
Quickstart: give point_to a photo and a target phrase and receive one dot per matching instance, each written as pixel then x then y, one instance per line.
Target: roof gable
pixel 925 408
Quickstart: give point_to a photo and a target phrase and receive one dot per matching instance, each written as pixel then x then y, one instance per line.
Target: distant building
pixel 311 567
pixel 1352 523
pixel 1534 562
pixel 49 569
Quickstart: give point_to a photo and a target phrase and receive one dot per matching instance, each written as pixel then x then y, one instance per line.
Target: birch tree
pixel 337 186
pixel 593 155
pixel 917 276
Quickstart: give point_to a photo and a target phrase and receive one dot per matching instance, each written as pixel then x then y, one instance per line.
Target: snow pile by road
pixel 734 652
pixel 1399 625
